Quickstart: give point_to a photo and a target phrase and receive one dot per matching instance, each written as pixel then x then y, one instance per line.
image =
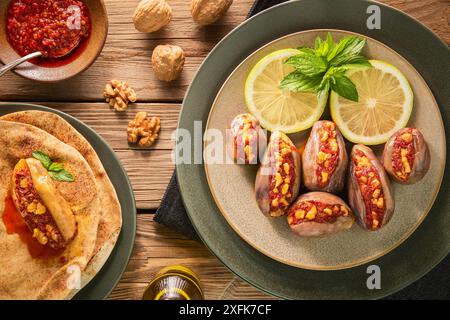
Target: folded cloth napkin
pixel 172 213
pixel 435 285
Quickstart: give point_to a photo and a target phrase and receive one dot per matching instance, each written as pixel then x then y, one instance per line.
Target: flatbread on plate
pixel 110 220
pixel 21 275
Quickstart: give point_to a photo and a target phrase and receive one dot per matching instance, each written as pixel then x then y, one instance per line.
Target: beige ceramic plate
pixel 232 186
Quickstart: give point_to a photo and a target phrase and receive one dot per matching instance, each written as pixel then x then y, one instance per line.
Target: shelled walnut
pixel 118 94
pixel 168 62
pixel 152 15
pixel 143 130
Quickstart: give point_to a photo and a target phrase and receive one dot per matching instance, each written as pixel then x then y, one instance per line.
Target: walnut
pixel 143 130
pixel 205 12
pixel 152 15
pixel 118 94
pixel 168 62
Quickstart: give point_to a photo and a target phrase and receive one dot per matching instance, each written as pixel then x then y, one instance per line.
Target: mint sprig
pixel 55 170
pixel 323 68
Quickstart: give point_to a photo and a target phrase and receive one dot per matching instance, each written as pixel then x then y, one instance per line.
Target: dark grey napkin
pixel 435 285
pixel 172 213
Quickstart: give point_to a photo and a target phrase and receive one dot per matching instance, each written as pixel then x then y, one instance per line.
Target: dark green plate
pixel 104 281
pixel 429 244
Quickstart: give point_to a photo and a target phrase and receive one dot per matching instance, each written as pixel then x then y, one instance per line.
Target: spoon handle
pixel 17 62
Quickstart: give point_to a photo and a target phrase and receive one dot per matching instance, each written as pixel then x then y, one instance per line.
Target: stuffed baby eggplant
pixel 278 178
pixel 406 156
pixel 369 190
pixel 47 214
pixel 325 159
pixel 318 214
pixel 245 137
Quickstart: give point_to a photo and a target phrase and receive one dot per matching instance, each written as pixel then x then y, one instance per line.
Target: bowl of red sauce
pixel 70 34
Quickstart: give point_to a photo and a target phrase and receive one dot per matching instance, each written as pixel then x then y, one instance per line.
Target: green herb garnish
pixel 62 175
pixel 324 67
pixel 43 158
pixel 55 170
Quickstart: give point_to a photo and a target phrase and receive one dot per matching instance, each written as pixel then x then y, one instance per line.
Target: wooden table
pixel 126 56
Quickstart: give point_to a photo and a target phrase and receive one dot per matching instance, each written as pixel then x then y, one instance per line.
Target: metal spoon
pixel 14 64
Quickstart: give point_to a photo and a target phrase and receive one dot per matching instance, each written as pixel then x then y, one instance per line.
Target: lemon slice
pixel 278 109
pixel 385 104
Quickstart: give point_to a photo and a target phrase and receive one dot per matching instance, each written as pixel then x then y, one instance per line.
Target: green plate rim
pixel 120 253
pixel 193 110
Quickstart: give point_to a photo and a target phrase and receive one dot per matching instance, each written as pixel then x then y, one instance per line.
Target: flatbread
pixel 111 216
pixel 24 277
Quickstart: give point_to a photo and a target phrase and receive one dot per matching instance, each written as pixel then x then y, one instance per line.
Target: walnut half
pixel 118 94
pixel 143 130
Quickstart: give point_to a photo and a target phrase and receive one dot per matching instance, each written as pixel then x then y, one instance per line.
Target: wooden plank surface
pixel 157 247
pixel 149 171
pixel 126 56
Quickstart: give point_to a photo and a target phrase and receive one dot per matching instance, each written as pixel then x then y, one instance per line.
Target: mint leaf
pixel 322 48
pixel 333 70
pixel 353 60
pixel 62 175
pixel 297 81
pixel 43 158
pixel 354 46
pixel 347 46
pixel 309 65
pixel 306 50
pixel 56 167
pixel 344 87
pixel 330 41
pixel 317 43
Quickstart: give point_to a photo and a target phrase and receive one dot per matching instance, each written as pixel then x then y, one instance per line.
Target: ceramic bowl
pixel 80 59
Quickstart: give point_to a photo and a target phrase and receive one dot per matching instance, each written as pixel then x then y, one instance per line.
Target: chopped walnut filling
pixel 371 190
pixel 327 157
pixel 315 211
pixel 282 181
pixel 403 155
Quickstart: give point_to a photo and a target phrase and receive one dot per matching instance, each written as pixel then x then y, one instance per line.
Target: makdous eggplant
pixel 244 138
pixel 318 214
pixel 406 156
pixel 325 158
pixel 369 189
pixel 47 214
pixel 278 178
